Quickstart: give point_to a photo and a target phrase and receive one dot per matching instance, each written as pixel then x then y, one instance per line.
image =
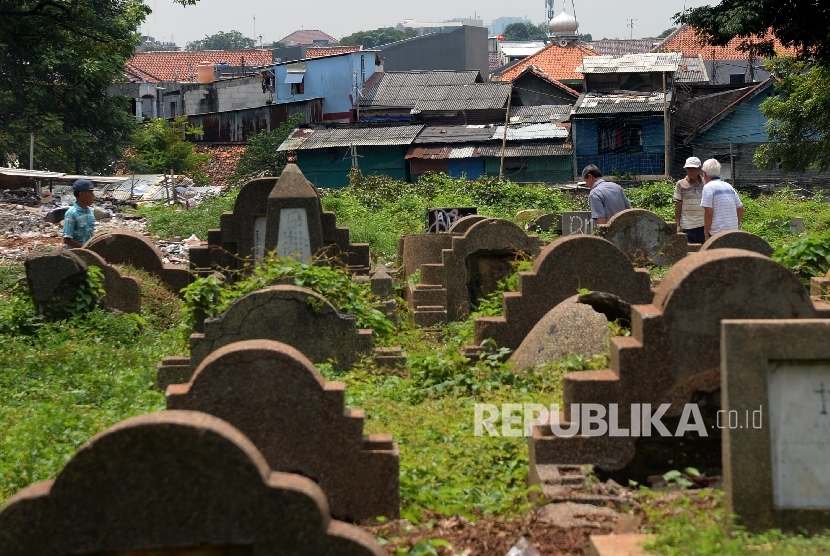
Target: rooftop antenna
pixel 254 25
pixel 631 25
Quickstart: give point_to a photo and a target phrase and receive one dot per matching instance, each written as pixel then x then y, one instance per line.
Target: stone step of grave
pixel 173 370
pixel 389 357
pixel 694 247
pixel 546 448
pixel 382 442
pixel 820 286
pixel 428 316
pixel 602 387
pixel 473 353
pixel 432 273
pixel 418 296
pixel 567 483
pixel 619 545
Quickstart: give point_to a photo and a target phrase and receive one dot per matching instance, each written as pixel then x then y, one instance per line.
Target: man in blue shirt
pixel 606 198
pixel 79 220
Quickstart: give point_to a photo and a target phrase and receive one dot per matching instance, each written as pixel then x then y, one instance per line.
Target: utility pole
pixel 631 24
pixel 666 130
pixel 504 137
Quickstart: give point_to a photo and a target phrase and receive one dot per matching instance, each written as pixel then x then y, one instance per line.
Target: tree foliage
pixel 801 24
pixel 261 157
pixel 525 32
pixel 586 37
pixel 234 40
pixel 57 59
pixel 159 147
pixel 377 37
pixel 667 32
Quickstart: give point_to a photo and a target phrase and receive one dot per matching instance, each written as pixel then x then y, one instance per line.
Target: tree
pixel 801 24
pixel 377 37
pixel 799 116
pixel 586 37
pixel 233 40
pixel 525 32
pixel 261 157
pixel 159 147
pixel 57 60
pixel 667 32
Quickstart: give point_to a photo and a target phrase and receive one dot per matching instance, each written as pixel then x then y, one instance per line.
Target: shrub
pixel 807 256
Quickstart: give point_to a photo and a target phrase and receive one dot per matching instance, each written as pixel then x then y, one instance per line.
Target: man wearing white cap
pixel 688 214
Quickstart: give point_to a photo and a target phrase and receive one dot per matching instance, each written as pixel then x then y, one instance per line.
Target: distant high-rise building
pixel 497 26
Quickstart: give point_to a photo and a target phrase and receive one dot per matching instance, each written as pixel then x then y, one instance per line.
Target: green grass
pixel 167 222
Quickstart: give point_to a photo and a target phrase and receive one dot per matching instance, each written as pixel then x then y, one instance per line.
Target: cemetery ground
pixel 61 383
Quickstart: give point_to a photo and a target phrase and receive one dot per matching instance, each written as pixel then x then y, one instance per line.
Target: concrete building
pixel 462 48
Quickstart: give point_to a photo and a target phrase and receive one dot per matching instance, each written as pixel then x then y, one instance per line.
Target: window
pixel 172 109
pixel 298 88
pixel 620 137
pixel 735 78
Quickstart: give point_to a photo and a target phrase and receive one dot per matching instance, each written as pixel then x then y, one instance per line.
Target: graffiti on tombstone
pixel 442 219
pixel 574 223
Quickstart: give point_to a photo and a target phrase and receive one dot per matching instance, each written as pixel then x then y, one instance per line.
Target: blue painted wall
pixel 745 124
pixel 473 168
pixel 332 78
pixel 650 161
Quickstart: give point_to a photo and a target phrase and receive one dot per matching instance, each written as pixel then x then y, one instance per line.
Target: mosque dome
pixel 564 25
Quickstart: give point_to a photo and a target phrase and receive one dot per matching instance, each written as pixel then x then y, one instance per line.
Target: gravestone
pixel 292 315
pixel 574 223
pixel 275 396
pixel 796 226
pixel 550 222
pixel 123 292
pixel 54 279
pixel 673 352
pixel 738 239
pixel 278 214
pixel 166 482
pixel 131 248
pixel 645 237
pixel 570 328
pixel 463 224
pixel 442 219
pixel 563 267
pixel 776 402
pixel 415 250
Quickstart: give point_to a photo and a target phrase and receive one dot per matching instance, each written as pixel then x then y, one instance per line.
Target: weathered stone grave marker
pixel 775 400
pixel 738 239
pixel 442 219
pixel 169 481
pixel 277 398
pixel 645 237
pixel 577 223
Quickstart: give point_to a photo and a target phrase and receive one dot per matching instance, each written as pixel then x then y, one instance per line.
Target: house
pixel 631 72
pixel 619 47
pixel 462 48
pixel 302 52
pixel 534 87
pixel 335 79
pixel 182 66
pixel 557 61
pixel 308 37
pixel 734 63
pixel 325 155
pixel 449 149
pixel 447 97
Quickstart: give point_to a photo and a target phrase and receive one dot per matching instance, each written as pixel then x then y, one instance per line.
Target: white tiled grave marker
pixel 293 234
pixel 800 432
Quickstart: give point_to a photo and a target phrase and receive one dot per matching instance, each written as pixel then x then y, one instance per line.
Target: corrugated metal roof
pixel 295 139
pixel 616 103
pixel 523 49
pixel 526 149
pixel 366 136
pixel 441 153
pixel 540 114
pixel 529 132
pixel 631 63
pixel 404 90
pixel 477 96
pixel 692 70
pixel 467 151
pixel 454 134
pixel 59 176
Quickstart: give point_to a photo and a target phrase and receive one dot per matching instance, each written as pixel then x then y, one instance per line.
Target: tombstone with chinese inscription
pixel 283 215
pixel 775 377
pixel 574 223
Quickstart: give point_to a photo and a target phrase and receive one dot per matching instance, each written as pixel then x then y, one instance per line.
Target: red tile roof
pixel 307 37
pixel 181 66
pixel 320 51
pixel 685 40
pixel 558 62
pixel 542 75
pixel 222 163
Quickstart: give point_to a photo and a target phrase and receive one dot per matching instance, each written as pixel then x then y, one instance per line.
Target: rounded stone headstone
pixel 569 328
pixel 644 237
pixel 738 239
pixel 461 225
pixel 545 223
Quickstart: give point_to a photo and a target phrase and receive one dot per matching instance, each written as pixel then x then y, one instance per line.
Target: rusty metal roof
pixel 295 139
pixel 366 136
pixel 619 103
pixel 631 63
pixel 441 153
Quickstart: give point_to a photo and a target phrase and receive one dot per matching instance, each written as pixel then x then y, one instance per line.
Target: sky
pixel 274 20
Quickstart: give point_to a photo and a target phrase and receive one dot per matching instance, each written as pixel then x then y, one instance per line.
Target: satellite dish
pixel 563 42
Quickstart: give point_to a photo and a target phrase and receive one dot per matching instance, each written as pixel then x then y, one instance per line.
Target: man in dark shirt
pixel 606 198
